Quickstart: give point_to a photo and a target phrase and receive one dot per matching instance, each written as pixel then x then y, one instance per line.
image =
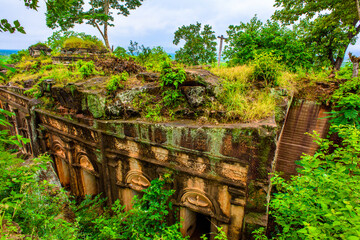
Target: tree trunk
pixel 355 69
pixel 338 63
pixel 355 61
pixel 105 36
pixel 358 8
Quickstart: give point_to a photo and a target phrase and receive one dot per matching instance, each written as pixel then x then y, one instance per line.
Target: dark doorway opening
pixel 201 226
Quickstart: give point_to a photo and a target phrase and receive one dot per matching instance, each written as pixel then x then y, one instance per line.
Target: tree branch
pixel 98 28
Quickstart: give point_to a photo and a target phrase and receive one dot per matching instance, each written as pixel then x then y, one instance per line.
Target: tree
pixel 6 26
pixel 200 46
pixel 249 39
pixel 65 14
pixel 329 26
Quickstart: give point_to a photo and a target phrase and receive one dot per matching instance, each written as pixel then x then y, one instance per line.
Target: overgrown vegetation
pixel 199 47
pixel 322 201
pixel 115 82
pixel 33 208
pixel 77 42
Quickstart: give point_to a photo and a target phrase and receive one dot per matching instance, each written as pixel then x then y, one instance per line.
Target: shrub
pixel 152 59
pixel 346 71
pixel 322 202
pixel 17 57
pixel 86 69
pixel 57 39
pixel 115 82
pixel 120 52
pixel 76 42
pixel 266 67
pixel 171 77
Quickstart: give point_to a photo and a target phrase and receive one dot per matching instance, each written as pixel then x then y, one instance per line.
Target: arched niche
pixel 61 163
pixel 25 133
pixel 136 181
pixel 197 210
pixel 88 174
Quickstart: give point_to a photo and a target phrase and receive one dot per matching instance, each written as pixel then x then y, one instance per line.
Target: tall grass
pixel 240 99
pixel 239 73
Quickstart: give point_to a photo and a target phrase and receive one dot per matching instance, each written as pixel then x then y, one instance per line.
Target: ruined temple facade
pixel 221 172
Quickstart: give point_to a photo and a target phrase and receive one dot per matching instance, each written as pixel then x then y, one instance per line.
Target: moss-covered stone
pixel 96 105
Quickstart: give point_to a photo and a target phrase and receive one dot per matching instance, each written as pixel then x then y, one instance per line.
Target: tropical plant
pixel 120 52
pixel 255 37
pixel 86 69
pixel 153 58
pixel 6 26
pixel 116 81
pixel 328 26
pixel 266 67
pixel 322 202
pixel 199 47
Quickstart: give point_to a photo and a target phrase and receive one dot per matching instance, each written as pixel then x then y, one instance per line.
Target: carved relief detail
pixel 161 154
pixel 199 165
pixel 137 180
pixel 234 172
pixel 183 159
pixel 131 147
pixel 85 163
pixel 194 198
pixel 58 147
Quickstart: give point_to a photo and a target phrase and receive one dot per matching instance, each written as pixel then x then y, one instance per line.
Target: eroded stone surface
pixel 220 171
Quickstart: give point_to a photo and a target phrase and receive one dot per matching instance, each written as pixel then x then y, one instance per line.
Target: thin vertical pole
pixel 220 48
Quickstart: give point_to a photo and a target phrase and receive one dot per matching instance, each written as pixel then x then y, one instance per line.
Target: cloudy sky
pixel 153 24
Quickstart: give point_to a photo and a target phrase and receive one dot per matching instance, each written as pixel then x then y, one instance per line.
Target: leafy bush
pixel 152 59
pixel 17 57
pixel 266 67
pixel 120 52
pixel 146 219
pixel 86 69
pixel 115 82
pixel 76 42
pixel 346 71
pixel 171 97
pixel 347 104
pixel 171 77
pixel 57 39
pixel 323 201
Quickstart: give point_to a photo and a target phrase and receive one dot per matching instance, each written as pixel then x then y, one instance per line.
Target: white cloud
pixel 153 24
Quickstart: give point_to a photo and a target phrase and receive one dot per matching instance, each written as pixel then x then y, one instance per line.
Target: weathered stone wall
pixel 303 117
pixel 220 172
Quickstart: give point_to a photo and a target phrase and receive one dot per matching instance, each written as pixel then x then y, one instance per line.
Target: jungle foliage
pixel 247 40
pixel 200 44
pixel 328 27
pixel 322 202
pixel 34 208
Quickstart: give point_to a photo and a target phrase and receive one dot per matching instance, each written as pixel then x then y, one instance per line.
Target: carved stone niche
pixel 61 161
pixel 197 200
pixel 137 181
pixel 88 174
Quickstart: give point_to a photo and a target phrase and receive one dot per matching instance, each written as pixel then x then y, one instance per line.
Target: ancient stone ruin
pixel 221 171
pixel 38 50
